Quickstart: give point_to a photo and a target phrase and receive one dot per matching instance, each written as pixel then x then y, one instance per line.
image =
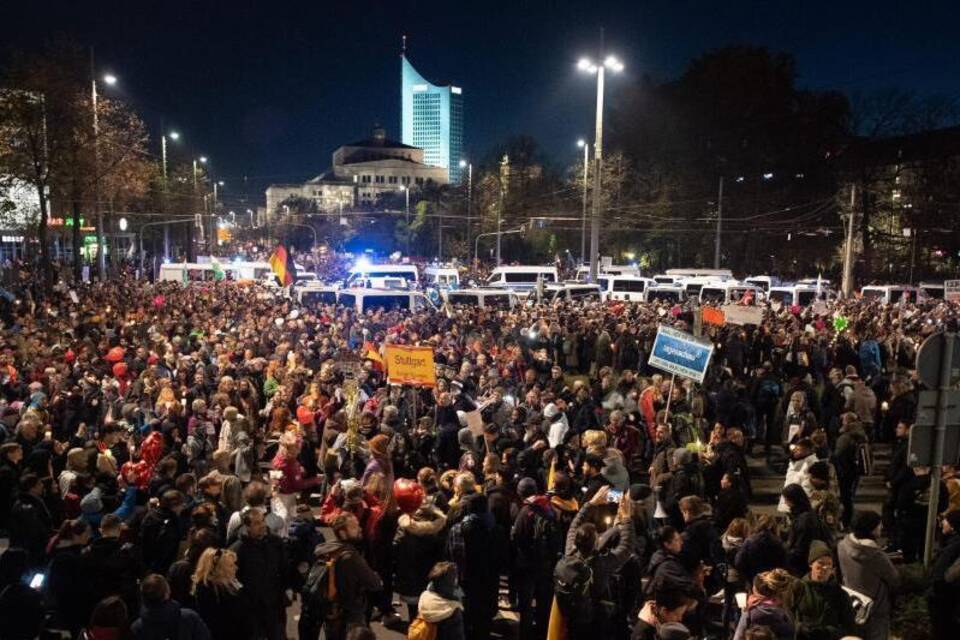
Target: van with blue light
pixel 522 278
pixel 365 271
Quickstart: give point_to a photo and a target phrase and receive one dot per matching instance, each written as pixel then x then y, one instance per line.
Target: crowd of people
pixel 217 461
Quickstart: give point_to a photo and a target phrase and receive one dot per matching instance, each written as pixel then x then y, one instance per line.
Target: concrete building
pixel 432 119
pixel 361 172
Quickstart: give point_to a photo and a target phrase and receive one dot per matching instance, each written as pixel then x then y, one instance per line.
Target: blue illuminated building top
pixel 432 119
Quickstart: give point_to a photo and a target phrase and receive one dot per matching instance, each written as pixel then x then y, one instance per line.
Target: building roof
pixel 328 177
pixel 383 143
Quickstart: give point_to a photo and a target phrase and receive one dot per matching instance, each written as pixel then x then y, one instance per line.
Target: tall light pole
pixel 583 216
pixel 111 80
pixel 196 192
pixel 469 166
pixel 609 63
pixel 716 241
pixel 173 135
pixel 406 192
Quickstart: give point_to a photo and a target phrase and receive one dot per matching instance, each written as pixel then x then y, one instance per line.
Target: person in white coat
pixel 802 457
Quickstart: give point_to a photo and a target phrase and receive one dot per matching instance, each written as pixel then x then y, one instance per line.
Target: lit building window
pixel 896 194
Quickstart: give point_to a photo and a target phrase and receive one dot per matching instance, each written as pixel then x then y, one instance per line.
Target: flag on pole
pixel 370 353
pixel 218 273
pixel 282 264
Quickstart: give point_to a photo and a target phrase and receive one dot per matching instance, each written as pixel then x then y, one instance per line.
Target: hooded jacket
pixel 443 610
pixel 169 621
pixel 867 569
pixel 766 612
pixel 823 611
pixel 418 545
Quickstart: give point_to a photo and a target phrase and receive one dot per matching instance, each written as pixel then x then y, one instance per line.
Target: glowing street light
pixel 109 79
pixel 586 65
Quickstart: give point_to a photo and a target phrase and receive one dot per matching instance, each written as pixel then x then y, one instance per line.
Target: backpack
pixel 572 587
pixel 320 588
pixel 547 539
pixel 457 545
pixel 420 629
pixel 864 459
pixel 768 392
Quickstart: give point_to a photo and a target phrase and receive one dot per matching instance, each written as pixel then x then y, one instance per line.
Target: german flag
pixel 282 265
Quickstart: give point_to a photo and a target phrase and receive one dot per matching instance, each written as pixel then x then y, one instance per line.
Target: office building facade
pixel 432 120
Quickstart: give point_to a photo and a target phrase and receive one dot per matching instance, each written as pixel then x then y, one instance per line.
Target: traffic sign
pixel 927 408
pixel 921 445
pixel 930 357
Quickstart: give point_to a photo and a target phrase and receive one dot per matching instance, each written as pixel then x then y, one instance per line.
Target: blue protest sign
pixel 680 353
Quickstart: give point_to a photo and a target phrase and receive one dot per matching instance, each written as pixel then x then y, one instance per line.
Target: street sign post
pixel 681 354
pixel 936 366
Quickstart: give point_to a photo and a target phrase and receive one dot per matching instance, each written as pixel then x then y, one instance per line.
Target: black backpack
pixel 573 587
pixel 319 595
pixel 547 539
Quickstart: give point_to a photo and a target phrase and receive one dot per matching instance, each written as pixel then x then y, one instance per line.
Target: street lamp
pixel 469 166
pixel 173 135
pixel 614 65
pixel 110 80
pixel 583 214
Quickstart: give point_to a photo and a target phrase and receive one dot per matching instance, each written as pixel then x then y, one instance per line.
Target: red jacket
pixel 292 480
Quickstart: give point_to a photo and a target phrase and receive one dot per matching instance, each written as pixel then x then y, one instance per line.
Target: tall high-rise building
pixel 432 119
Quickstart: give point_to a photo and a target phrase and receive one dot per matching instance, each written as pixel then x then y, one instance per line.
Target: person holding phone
pixel 21 605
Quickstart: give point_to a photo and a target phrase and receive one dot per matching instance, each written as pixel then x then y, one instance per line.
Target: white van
pixel 932 290
pixel 802 295
pixel 583 272
pixel 190 272
pixel 364 300
pixel 483 298
pixel 362 272
pixel 625 287
pixel 316 293
pixel 890 293
pixel 693 284
pixel 763 282
pixel 721 293
pixel 441 277
pixel 666 293
pixel 662 278
pixel 555 293
pixel 521 278
pixel 716 274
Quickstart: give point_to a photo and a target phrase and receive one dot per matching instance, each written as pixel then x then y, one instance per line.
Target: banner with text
pixel 681 353
pixel 410 365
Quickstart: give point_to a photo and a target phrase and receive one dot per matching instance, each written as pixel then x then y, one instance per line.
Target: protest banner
pixel 410 365
pixel 681 354
pixel 742 314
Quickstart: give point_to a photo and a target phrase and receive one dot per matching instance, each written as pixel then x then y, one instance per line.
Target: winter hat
pixel 527 487
pixel 864 523
pixel 818 549
pixel 616 474
pixel 91 502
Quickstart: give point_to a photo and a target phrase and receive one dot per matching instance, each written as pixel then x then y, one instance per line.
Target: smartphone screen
pixel 36 582
pixel 614 496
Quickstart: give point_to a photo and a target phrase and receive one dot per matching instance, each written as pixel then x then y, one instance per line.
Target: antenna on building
pixel 403 45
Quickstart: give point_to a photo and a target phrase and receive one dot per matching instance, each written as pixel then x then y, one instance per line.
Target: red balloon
pixel 152 449
pixel 115 354
pixel 69 356
pixel 120 370
pixel 159 301
pixel 140 471
pixel 304 415
pixel 408 494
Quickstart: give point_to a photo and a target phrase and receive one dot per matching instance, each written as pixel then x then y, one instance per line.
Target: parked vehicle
pixel 367 271
pixel 553 294
pixel 730 292
pixel 364 300
pixel 933 290
pixel 483 298
pixel 717 274
pixel 317 293
pixel 521 277
pixel 205 272
pixel 666 293
pixel 802 295
pixel 763 282
pixel 624 287
pixel 890 293
pixel 441 277
pixel 583 271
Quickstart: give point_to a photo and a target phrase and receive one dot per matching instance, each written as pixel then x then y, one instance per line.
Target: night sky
pixel 269 89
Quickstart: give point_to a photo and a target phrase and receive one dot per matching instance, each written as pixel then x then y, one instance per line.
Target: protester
pixel 867 569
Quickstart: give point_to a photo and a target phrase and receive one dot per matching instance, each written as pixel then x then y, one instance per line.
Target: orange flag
pixel 713 316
